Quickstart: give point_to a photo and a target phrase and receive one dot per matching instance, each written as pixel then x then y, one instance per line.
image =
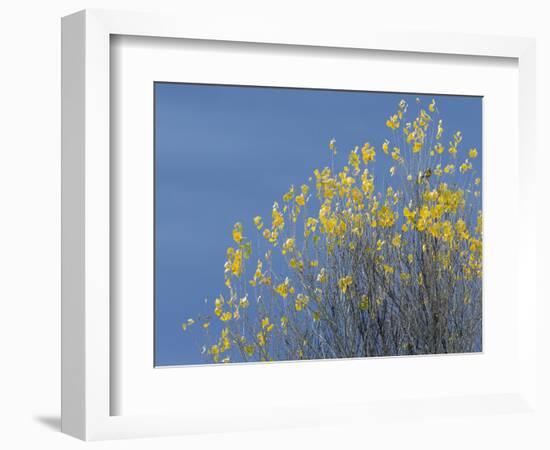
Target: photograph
pixel 304 224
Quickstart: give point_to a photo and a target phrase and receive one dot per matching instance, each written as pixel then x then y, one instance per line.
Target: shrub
pixel 351 266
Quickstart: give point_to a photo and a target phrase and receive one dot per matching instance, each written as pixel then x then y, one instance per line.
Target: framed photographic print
pixel 263 227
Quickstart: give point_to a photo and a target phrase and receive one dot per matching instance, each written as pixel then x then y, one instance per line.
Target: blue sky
pixel 223 154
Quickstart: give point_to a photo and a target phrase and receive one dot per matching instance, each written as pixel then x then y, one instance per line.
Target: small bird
pixel 424 176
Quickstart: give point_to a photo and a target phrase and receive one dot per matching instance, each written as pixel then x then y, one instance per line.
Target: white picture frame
pixel 87 328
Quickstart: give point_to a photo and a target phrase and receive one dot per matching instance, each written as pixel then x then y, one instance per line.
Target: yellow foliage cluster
pixel 340 243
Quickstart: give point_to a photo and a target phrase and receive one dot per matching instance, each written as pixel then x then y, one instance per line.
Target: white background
pixel 29 227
